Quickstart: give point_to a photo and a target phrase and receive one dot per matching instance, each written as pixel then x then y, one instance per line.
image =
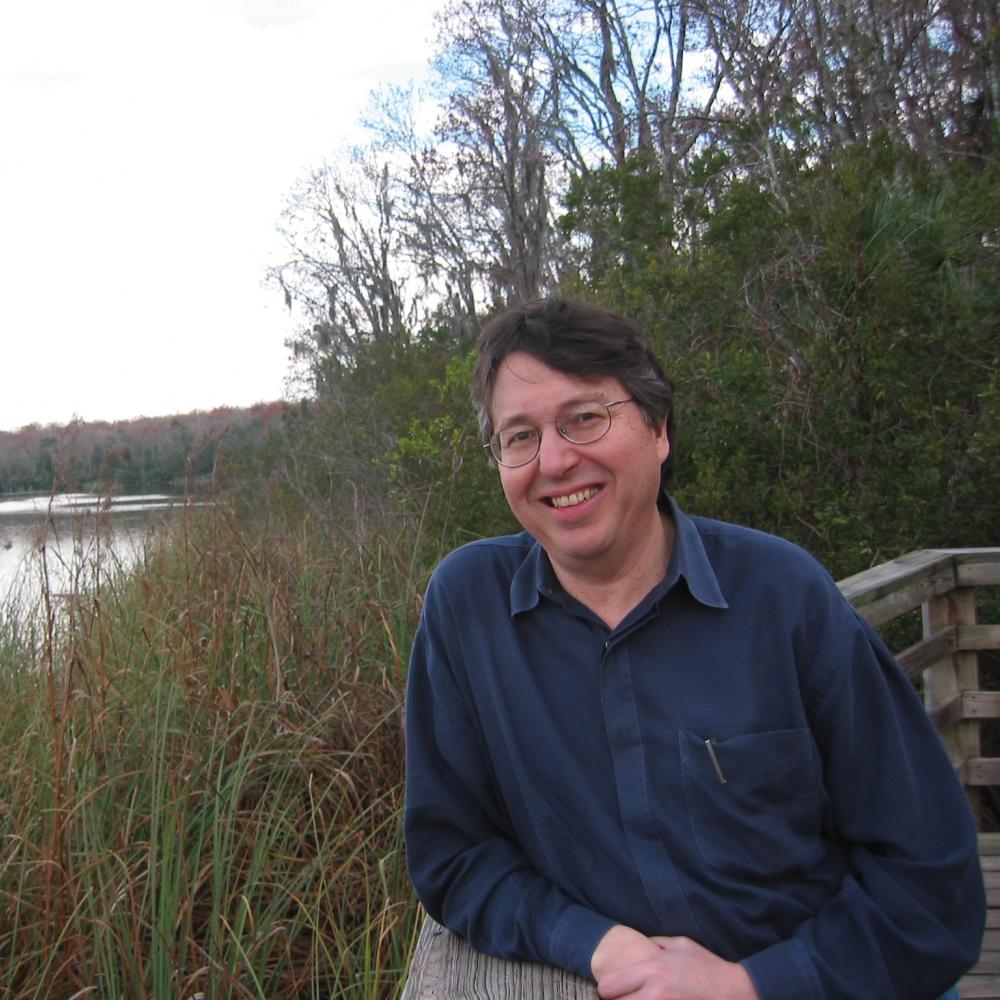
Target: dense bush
pixel 837 360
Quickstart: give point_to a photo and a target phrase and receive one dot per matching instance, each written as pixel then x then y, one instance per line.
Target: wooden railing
pixel 942 584
pixel 944 662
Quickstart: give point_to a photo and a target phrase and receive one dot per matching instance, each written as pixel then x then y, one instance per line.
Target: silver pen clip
pixel 715 760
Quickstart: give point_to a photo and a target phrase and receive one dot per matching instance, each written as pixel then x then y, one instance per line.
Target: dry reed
pixel 200 777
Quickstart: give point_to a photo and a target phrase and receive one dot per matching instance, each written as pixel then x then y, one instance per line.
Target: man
pixel 663 751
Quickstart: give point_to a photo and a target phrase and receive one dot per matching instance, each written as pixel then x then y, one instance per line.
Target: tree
pixel 497 120
pixel 917 71
pixel 347 269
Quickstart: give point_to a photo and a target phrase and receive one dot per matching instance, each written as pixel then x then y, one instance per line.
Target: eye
pixel 584 418
pixel 515 437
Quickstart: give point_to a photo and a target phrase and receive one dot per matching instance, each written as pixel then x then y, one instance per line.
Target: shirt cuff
pixel 574 938
pixel 784 971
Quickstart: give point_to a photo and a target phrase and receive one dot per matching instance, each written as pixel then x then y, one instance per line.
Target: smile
pixel 572 499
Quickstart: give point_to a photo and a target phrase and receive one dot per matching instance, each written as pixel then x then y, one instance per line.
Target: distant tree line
pixel 799 200
pixel 148 454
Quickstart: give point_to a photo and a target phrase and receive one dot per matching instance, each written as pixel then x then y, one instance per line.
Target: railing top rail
pixel 892 588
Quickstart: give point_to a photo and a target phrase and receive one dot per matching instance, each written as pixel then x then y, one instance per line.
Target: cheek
pixel 512 484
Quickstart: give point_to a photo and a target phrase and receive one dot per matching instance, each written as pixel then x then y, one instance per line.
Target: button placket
pixel 649 853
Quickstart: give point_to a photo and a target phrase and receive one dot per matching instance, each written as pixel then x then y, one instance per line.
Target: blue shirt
pixel 740 762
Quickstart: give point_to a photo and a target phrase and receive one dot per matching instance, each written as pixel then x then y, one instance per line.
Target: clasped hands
pixel 626 963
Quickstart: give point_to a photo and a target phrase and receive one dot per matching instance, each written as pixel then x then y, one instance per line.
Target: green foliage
pixel 836 356
pixel 443 450
pixel 392 434
pixel 834 350
pixel 626 220
pixel 831 329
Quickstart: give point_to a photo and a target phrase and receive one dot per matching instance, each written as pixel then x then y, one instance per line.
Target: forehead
pixel 527 387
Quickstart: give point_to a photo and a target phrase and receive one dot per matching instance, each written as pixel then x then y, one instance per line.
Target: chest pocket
pixel 764 819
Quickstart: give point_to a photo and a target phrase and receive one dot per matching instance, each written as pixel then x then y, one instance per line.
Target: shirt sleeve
pixel 464 863
pixel 908 920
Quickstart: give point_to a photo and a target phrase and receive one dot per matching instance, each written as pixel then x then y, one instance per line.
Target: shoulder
pixel 479 562
pixel 472 584
pixel 747 559
pixel 749 543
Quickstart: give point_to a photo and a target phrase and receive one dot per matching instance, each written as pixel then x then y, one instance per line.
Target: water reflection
pixel 72 541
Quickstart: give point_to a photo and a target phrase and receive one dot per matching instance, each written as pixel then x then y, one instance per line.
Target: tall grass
pixel 200 770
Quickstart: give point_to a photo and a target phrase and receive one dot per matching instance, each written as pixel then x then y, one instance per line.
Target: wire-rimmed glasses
pixel 580 423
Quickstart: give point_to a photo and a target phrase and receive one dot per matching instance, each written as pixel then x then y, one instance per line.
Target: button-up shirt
pixel 740 761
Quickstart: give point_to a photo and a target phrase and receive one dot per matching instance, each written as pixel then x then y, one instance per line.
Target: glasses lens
pixel 585 423
pixel 515 446
pixel 580 424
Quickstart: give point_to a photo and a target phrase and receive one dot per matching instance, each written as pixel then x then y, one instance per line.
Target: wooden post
pixel 949 677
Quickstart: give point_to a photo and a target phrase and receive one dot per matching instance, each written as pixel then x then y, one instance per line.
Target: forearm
pixel 467 866
pixel 486 891
pixel 877 938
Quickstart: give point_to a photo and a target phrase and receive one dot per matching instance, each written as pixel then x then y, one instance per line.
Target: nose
pixel 556 455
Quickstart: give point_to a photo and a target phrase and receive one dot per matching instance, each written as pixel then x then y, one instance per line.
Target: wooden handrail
pixel 893 588
pixel 942 584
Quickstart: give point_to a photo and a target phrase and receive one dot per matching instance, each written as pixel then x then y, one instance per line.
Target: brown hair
pixel 579 339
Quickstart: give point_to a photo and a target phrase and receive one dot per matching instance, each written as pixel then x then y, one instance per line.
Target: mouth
pixel 573 499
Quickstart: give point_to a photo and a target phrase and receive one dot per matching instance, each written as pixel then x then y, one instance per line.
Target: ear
pixel 661 440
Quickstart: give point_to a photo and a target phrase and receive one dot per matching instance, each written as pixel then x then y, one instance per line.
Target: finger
pixel 620 983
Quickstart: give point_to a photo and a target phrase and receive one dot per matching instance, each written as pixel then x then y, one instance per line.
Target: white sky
pixel 146 148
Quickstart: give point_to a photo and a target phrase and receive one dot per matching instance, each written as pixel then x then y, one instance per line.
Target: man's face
pixel 593 506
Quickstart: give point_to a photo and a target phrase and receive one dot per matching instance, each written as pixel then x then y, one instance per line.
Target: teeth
pixel 572 499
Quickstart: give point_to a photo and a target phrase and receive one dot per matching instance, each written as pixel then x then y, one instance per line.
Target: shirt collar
pixel 690 561
pixel 535 576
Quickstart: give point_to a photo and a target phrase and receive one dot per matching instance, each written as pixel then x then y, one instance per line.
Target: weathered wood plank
pixel 978 567
pixel 979 988
pixel 977 637
pixel 446 968
pixel 989 846
pixel 887 591
pixel 921 655
pixel 981 704
pixel 978 771
pixel 949 712
pixel 991 941
pixel 878 581
pixel 989 962
pixel 952 675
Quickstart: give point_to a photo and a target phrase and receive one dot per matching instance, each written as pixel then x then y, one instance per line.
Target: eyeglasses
pixel 581 423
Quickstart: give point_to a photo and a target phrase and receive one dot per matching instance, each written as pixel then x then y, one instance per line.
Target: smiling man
pixel 662 751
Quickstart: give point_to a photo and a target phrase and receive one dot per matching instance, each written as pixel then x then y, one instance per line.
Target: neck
pixel 612 590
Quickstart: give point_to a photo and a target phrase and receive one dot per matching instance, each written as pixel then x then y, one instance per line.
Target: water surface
pixel 70 541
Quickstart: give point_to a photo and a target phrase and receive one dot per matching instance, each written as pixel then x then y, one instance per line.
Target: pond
pixel 68 541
